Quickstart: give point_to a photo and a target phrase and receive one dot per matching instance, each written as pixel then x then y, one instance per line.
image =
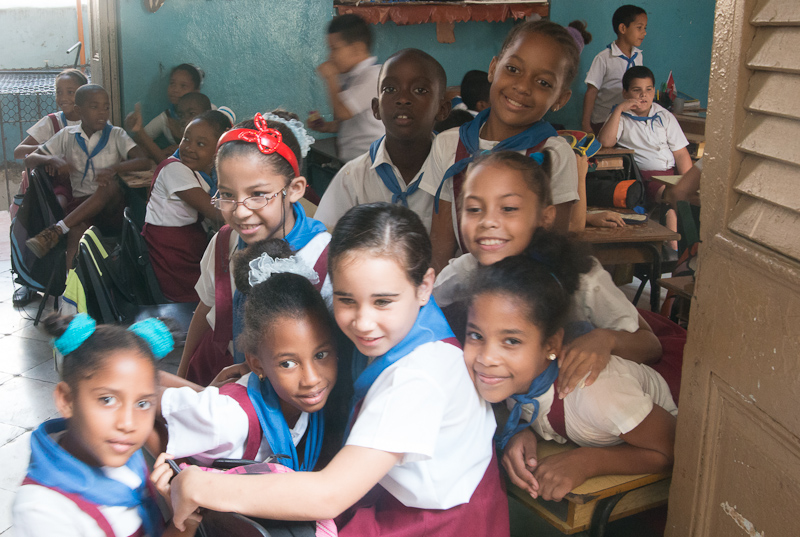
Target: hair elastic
pixel 264 266
pixel 538 157
pixel 79 329
pixel 301 135
pixel 82 326
pixel 268 140
pixel 156 334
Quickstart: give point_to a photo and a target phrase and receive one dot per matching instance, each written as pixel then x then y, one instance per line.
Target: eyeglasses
pixel 253 203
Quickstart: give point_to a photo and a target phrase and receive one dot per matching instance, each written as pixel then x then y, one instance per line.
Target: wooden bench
pixel 597 501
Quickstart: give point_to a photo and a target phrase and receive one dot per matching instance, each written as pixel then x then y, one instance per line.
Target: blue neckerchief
pixel 276 430
pixel 52 466
pixel 538 387
pixel 99 147
pixel 624 57
pixel 304 230
pixel 654 117
pixel 469 133
pixel 430 326
pixel 64 122
pixel 210 179
pixel 171 112
pixel 387 175
pixel 455 101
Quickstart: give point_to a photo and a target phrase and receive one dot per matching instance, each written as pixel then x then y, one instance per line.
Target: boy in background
pixel 604 79
pixel 351 77
pixel 474 96
pixel 93 153
pixel 412 98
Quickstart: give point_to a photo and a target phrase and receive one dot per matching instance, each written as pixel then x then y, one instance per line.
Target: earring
pixel 552 356
pixel 260 377
pixel 555 109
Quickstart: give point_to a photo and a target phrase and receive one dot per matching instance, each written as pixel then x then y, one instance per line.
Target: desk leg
pixel 601 514
pixel 655 289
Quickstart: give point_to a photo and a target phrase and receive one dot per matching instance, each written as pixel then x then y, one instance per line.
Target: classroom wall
pixel 260 54
pixel 679 37
pixel 32 35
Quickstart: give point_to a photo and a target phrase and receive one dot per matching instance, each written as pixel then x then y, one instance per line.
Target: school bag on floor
pixel 38 210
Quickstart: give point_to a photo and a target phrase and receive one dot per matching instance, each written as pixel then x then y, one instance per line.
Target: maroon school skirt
pixel 380 513
pixel 672 338
pixel 175 254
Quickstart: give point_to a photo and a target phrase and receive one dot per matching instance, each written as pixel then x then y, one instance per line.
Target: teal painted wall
pixel 679 37
pixel 260 54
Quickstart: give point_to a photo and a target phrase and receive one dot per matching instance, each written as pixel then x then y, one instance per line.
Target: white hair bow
pixel 264 266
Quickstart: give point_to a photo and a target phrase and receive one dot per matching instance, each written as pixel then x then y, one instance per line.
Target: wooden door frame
pixel 104 59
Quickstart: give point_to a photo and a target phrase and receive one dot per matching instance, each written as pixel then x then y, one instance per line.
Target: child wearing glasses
pixel 258 170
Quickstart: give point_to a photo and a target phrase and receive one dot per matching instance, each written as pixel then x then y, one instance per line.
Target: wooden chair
pixel 598 501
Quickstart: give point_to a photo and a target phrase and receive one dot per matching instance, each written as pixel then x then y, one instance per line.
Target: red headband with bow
pixel 268 140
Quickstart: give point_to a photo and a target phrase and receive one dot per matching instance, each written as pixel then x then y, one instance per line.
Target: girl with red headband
pixel 260 185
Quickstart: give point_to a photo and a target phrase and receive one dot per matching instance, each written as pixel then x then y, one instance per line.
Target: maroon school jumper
pixel 175 252
pixel 380 513
pixel 458 184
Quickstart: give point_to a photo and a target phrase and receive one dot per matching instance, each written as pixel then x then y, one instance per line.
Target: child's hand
pixel 162 474
pixel 583 165
pixel 315 121
pixel 133 121
pixel 57 166
pixel 327 70
pixel 558 474
pixel 104 176
pixel 628 104
pixel 605 219
pixel 231 373
pixel 519 460
pixel 160 477
pixel 587 354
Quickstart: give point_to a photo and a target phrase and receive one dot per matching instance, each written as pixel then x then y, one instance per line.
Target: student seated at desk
pixel 93 153
pixel 624 422
pixel 351 77
pixel 474 96
pixel 411 87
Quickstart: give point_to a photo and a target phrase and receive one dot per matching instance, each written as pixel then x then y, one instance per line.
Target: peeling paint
pixel 741 521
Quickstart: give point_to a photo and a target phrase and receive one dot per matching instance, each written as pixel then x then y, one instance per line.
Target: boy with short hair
pixel 648 128
pixel 351 77
pixel 604 79
pixel 92 153
pixel 474 96
pixel 412 98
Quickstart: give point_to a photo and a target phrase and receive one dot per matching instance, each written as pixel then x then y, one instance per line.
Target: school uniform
pixel 115 145
pixel 44 129
pixel 309 240
pixel 652 137
pixel 159 126
pixel 173 231
pixel 449 144
pixel 360 181
pixel 64 496
pixel 605 74
pixel 358 87
pixel 419 400
pixel 219 424
pixel 595 416
pixel 597 301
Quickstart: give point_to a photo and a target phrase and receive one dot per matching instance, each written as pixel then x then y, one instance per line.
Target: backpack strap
pixel 238 393
pixel 84 505
pixel 321 268
pixel 223 297
pixel 54 121
pixel 556 414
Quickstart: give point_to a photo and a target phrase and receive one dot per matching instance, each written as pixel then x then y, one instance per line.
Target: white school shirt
pixel 652 141
pixel 208 425
pixel 597 299
pixel 64 144
pixel 358 87
pixel 165 208
pixel 615 404
pixel 205 285
pixel 159 125
pixel 358 183
pixel 43 130
pixel 563 179
pixel 425 406
pixel 605 74
pixel 39 511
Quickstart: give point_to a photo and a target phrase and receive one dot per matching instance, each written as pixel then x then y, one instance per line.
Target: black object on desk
pixel 322 164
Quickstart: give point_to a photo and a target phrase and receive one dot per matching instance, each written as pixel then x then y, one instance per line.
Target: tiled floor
pixel 27 379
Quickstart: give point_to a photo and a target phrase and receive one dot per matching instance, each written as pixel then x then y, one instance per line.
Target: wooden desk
pixel 611 158
pixel 631 244
pixel 137 179
pixel 598 500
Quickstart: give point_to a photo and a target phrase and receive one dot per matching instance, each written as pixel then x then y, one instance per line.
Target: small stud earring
pixel 555 109
pixel 552 356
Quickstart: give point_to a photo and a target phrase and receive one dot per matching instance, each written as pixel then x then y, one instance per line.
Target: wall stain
pixel 741 521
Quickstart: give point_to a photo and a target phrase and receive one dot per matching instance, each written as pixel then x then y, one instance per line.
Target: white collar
pixel 615 50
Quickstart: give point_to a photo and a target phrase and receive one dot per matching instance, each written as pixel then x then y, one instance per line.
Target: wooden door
pixel 737 469
pixel 104 56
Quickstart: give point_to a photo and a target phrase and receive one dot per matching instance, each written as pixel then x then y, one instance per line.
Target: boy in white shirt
pixel 93 153
pixel 412 98
pixel 604 79
pixel 351 77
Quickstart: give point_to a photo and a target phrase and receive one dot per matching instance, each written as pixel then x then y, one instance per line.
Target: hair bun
pixel 55 324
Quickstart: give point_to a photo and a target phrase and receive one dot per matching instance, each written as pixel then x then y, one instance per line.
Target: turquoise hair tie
pixel 80 328
pixel 538 157
pixel 156 334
